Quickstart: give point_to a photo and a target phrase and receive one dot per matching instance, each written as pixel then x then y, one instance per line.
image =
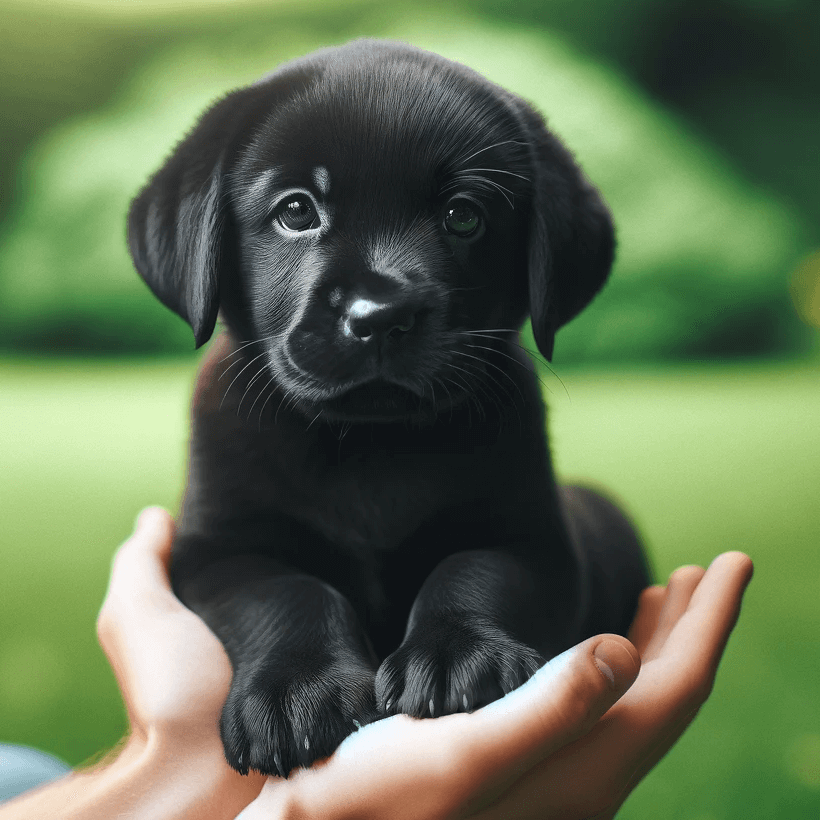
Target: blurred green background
pixel 689 388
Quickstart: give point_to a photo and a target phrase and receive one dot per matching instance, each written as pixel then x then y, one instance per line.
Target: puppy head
pixel 360 215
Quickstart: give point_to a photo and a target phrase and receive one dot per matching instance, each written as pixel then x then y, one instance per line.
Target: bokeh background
pixel 689 388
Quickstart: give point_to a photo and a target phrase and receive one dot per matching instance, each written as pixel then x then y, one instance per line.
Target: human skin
pixel 573 742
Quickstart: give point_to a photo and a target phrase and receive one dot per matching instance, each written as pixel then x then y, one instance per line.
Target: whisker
pixel 480 409
pixel 475 287
pixel 432 390
pixel 262 408
pixel 520 364
pixel 449 395
pixel 291 402
pixel 488 148
pixel 248 387
pixel 234 362
pixel 491 330
pixel 276 417
pixel 259 395
pixel 487 182
pixel 500 406
pixel 540 359
pixel 484 361
pixel 241 347
pixel 496 171
pixel 455 183
pixel 544 363
pixel 238 375
pixel 468 392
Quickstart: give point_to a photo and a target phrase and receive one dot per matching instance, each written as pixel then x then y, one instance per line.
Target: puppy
pixel 371 523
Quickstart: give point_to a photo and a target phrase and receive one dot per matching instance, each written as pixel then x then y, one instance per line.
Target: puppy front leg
pixel 303 670
pixel 482 624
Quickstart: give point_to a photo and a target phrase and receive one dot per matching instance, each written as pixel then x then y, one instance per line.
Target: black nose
pixel 371 319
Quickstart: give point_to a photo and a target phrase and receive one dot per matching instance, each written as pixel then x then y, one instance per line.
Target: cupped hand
pixel 681 632
pixel 172 671
pixel 570 743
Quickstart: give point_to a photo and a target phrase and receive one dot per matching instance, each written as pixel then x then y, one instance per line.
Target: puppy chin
pixel 371 399
pixel 380 402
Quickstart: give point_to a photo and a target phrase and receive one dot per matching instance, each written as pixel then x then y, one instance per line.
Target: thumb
pixel 154 532
pixel 139 571
pixel 560 703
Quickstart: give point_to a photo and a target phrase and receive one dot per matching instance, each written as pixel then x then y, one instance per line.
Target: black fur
pixel 371 523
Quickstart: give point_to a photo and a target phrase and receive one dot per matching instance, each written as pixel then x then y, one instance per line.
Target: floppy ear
pixel 571 237
pixel 177 231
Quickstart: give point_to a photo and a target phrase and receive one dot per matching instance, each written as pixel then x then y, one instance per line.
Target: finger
pixel 559 704
pixel 467 760
pixel 139 575
pixel 167 662
pixel 679 679
pixel 561 701
pixel 141 563
pixel 704 629
pixel 273 801
pixel 651 759
pixel 682 583
pixel 156 530
pixel 646 619
pixel 597 771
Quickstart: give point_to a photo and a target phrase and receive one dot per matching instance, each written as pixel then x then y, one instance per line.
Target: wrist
pixel 195 779
pixel 153 777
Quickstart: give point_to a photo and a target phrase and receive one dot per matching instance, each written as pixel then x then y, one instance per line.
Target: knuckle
pixel 696 690
pixel 702 690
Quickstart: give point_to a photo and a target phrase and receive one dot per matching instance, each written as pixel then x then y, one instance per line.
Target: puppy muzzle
pixel 349 334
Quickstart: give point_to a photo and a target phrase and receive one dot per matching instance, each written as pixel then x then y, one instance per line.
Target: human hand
pixel 172 671
pixel 542 751
pixel 174 676
pixel 553 748
pixel 681 632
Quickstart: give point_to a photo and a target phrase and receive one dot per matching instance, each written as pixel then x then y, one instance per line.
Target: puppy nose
pixel 369 319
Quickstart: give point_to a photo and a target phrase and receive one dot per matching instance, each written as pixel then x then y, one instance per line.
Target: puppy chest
pixel 378 504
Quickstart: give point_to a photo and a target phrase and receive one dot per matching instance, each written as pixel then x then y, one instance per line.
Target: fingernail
pixel 614 662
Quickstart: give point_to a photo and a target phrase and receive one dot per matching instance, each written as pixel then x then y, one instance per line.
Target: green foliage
pixel 703 257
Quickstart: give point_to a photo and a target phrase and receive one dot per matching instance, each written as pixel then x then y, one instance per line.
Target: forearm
pixel 149 780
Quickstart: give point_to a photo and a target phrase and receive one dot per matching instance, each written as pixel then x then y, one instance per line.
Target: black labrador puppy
pixel 371 524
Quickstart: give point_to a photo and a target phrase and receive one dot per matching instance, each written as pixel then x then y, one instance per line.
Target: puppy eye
pixel 297 214
pixel 461 218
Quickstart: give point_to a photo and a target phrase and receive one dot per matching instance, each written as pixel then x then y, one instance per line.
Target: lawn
pixel 706 458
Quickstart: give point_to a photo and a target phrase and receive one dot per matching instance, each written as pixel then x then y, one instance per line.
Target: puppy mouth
pixel 376 400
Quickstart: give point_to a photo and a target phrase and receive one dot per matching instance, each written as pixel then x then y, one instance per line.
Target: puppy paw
pixel 292 712
pixel 455 665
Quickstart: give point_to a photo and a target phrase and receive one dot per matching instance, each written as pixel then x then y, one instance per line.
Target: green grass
pixel 705 458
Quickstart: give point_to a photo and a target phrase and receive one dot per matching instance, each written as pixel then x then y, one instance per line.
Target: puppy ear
pixel 571 237
pixel 176 226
